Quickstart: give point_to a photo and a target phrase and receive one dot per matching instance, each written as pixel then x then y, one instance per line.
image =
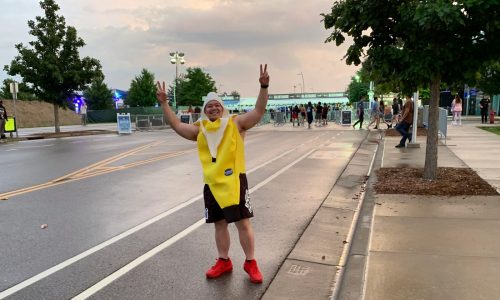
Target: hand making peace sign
pixel 264 77
pixel 161 93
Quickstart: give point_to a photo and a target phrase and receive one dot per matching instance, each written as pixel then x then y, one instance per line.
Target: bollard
pixel 492 116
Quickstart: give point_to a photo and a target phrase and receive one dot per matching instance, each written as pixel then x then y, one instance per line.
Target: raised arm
pixel 249 119
pixel 188 131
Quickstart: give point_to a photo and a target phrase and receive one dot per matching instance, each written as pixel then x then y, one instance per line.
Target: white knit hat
pixel 214 137
pixel 210 97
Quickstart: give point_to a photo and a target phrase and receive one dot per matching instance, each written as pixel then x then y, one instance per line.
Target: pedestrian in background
pixel 375 113
pixel 83 113
pixel 456 108
pixel 360 112
pixel 309 111
pixel 403 126
pixel 484 105
pixel 3 120
pixel 302 115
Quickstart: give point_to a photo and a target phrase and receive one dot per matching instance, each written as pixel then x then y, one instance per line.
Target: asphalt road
pixel 124 214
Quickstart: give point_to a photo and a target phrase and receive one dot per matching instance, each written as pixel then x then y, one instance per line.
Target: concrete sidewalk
pixel 428 247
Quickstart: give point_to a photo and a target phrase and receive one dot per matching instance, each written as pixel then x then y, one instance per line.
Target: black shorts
pixel 214 213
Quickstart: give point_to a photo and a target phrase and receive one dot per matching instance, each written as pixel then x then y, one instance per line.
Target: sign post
pixel 346 117
pixel 14 89
pixel 124 124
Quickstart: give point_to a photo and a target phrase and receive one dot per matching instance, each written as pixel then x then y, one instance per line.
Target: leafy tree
pixel 98 95
pixel 24 91
pixel 235 94
pixel 488 78
pixel 193 86
pixel 51 65
pixel 419 42
pixel 357 89
pixel 142 90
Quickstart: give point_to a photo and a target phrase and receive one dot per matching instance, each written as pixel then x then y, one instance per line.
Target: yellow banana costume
pixel 222 157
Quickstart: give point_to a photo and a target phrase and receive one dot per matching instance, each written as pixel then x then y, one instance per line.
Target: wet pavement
pixel 362 245
pixel 429 247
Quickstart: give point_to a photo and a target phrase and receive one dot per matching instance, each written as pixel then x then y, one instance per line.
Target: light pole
pixel 176 58
pixel 303 85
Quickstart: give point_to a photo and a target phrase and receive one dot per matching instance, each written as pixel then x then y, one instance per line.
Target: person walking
pixel 360 112
pixel 375 113
pixel 456 107
pixel 3 120
pixel 221 151
pixel 484 105
pixel 405 123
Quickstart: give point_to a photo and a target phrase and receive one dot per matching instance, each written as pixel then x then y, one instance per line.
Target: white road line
pixel 136 262
pixel 115 239
pixel 30 147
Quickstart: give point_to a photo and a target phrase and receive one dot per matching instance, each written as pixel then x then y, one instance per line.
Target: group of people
pixel 318 112
pixel 379 112
pixel 401 114
pixel 456 110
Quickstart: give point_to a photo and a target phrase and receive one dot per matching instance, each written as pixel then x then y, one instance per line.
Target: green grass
pixel 495 129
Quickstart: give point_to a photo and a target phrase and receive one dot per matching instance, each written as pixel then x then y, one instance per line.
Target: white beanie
pixel 214 137
pixel 210 97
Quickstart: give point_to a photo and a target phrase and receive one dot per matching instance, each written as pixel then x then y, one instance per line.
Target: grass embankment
pixel 495 129
pixel 39 114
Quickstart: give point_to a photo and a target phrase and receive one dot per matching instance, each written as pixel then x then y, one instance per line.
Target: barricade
pixel 149 122
pixel 442 121
pixel 279 118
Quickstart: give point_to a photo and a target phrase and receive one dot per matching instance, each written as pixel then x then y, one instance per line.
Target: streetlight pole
pixel 176 58
pixel 303 85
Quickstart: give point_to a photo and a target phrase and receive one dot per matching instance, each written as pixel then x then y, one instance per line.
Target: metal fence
pixel 149 122
pixel 442 121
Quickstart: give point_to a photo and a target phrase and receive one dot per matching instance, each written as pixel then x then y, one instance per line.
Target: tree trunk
pixel 431 151
pixel 56 118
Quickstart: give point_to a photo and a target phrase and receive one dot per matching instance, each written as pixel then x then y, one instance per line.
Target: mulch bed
pixel 449 182
pixel 421 131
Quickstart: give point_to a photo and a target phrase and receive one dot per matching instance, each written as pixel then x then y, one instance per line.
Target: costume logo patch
pixel 247 201
pixel 206 213
pixel 228 172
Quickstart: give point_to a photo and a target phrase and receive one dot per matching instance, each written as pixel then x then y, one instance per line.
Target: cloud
pixel 229 39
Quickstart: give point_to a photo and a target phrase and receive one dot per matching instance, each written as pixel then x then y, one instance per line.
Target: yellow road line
pixel 98 168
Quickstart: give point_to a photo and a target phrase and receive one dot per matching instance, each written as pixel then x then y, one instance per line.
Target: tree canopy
pixel 488 78
pixel 357 89
pixel 418 43
pixel 98 95
pixel 194 85
pixel 51 65
pixel 24 91
pixel 142 90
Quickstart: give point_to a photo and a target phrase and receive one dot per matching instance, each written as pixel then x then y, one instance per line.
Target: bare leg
pixel 246 235
pixel 222 238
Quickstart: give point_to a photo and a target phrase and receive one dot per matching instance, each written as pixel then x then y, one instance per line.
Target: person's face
pixel 214 110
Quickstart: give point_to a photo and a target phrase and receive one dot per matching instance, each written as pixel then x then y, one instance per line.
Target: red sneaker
pixel 220 267
pixel 253 271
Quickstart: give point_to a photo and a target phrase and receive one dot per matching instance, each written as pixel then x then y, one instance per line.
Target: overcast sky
pixel 227 38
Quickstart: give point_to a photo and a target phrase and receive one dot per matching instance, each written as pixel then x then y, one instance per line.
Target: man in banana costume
pixel 221 151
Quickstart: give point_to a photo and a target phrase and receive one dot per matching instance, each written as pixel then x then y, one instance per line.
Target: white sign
pixel 14 88
pixel 124 124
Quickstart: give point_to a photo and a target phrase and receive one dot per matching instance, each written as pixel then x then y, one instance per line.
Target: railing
pixel 442 121
pixel 149 122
